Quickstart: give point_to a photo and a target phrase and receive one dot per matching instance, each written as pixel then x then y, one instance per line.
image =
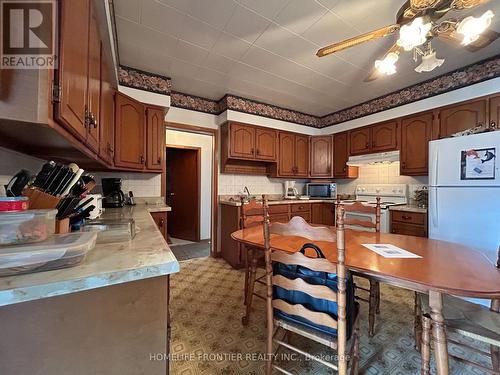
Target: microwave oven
pixel 321 190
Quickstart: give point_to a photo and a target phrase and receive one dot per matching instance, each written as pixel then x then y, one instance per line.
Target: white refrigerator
pixel 464 191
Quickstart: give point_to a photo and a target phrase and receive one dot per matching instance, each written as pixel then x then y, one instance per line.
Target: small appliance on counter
pixel 321 190
pixel 291 191
pixel 113 194
pixel 129 199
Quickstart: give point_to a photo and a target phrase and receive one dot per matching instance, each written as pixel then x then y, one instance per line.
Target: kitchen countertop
pixel 408 208
pixel 281 201
pixel 147 255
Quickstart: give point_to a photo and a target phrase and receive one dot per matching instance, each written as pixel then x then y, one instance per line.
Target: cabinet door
pixel 359 141
pixel 317 213
pixel 94 82
pixel 129 133
pixel 107 115
pixel 286 162
pixel 460 117
pixel 340 155
pixel 155 143
pixel 321 156
pixel 328 214
pixel 265 144
pixel 160 219
pixel 242 144
pixel 301 156
pixel 416 134
pixel 495 112
pixel 73 66
pixel 384 136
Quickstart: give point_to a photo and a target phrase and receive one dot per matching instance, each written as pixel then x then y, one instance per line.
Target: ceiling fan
pixel 418 22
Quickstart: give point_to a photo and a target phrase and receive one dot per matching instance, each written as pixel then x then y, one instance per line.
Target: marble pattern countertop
pixel 408 208
pixel 282 201
pixel 147 255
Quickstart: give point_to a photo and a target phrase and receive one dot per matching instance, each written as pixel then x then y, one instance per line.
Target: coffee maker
pixel 291 191
pixel 112 191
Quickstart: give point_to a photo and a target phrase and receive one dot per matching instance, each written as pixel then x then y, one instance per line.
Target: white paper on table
pixel 390 251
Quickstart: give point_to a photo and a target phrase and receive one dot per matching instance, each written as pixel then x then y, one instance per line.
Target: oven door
pixel 384 220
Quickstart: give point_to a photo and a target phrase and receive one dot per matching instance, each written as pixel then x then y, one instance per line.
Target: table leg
pixel 372 307
pixel 439 333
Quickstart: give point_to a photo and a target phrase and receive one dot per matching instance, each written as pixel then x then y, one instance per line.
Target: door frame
pixel 198 185
pixel 214 133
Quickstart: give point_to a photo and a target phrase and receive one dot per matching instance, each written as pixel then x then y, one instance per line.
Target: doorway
pixel 183 185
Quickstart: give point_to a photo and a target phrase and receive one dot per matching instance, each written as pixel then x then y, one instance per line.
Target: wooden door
pixel 286 162
pixel 359 141
pixel 155 144
pixel 416 133
pixel 265 144
pixel 73 66
pixel 183 192
pixel 340 155
pixel 495 112
pixel 242 143
pixel 107 115
pixel 321 158
pixel 384 136
pixel 129 133
pixel 94 82
pixel 301 156
pixel 456 118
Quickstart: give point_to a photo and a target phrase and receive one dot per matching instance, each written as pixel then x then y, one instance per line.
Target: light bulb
pixel 413 34
pixel 387 66
pixel 471 27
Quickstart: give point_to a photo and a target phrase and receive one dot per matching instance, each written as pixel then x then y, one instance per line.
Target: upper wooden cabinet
pixel 340 157
pixel 321 157
pixel 71 106
pixel 248 142
pixel 375 138
pixel 384 136
pixel 293 155
pixel 265 144
pixel 130 143
pixel 360 141
pixel 94 82
pixel 107 115
pixel 416 133
pixel 456 118
pixel 495 112
pixel 155 130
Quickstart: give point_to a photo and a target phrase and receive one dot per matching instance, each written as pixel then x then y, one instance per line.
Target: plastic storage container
pixel 111 230
pixel 8 204
pixel 60 251
pixel 26 226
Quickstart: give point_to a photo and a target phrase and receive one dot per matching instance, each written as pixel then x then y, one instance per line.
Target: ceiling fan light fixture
pixel 413 34
pixel 471 27
pixel 429 62
pixel 387 66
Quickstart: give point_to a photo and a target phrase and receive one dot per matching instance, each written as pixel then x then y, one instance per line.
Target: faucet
pixel 247 191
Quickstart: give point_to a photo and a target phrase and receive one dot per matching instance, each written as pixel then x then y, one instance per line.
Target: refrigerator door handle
pixel 435 167
pixel 435 216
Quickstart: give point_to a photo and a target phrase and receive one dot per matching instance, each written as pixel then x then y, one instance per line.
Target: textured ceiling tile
pixel 199 33
pixel 161 17
pixel 246 25
pixel 230 46
pixel 266 8
pixel 299 15
pixel 214 12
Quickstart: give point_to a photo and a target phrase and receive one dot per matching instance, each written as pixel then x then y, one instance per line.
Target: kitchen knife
pixel 44 173
pixel 57 180
pixel 72 183
pixel 81 205
pixel 64 182
pixel 17 183
pixel 48 181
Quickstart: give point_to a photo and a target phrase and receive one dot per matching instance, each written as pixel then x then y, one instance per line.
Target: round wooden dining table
pixel 443 267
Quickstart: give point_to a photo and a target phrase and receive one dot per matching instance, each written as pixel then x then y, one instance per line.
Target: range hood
pixel 371 159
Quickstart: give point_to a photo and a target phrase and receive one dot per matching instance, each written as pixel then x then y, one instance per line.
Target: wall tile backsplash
pixel 379 174
pixel 11 162
pixel 233 184
pixel 141 184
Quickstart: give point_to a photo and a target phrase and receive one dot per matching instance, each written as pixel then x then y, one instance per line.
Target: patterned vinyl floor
pixel 208 337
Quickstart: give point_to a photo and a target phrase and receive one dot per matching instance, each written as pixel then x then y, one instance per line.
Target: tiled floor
pixel 208 337
pixel 184 250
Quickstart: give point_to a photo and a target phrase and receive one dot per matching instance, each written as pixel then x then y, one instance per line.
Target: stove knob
pixel 377 190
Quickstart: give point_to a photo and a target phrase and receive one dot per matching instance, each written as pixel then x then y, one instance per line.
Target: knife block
pixel 62 226
pixel 40 200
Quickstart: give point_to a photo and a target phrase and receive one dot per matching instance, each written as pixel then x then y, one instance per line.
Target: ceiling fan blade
pixel 374 73
pixel 466 4
pixel 372 35
pixel 447 32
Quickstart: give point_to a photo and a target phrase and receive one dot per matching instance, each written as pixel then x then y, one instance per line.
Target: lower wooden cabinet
pixel 160 219
pixel 409 223
pixel 323 213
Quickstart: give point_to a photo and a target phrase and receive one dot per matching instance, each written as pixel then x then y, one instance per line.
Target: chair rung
pixel 259 296
pixel 261 282
pixel 486 369
pixel 282 370
pixel 305 354
pixel 468 347
pixel 365 289
pixel 361 299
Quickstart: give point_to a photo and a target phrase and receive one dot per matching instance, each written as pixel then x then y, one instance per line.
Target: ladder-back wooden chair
pixel 252 214
pixel 347 347
pixel 374 291
pixel 469 320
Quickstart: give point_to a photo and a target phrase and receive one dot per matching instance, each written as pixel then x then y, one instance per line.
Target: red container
pixel 9 204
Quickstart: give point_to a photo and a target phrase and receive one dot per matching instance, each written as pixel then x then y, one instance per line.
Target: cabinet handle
pixel 86 121
pixel 403 164
pixel 142 159
pixel 373 143
pixel 493 125
pixel 93 120
pixel 110 149
pixel 161 222
pixel 159 160
pixel 394 231
pixel 343 169
pixel 252 150
pixel 367 144
pixel 257 151
pixel 405 217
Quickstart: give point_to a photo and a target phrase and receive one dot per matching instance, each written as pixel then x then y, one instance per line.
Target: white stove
pixel 390 195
